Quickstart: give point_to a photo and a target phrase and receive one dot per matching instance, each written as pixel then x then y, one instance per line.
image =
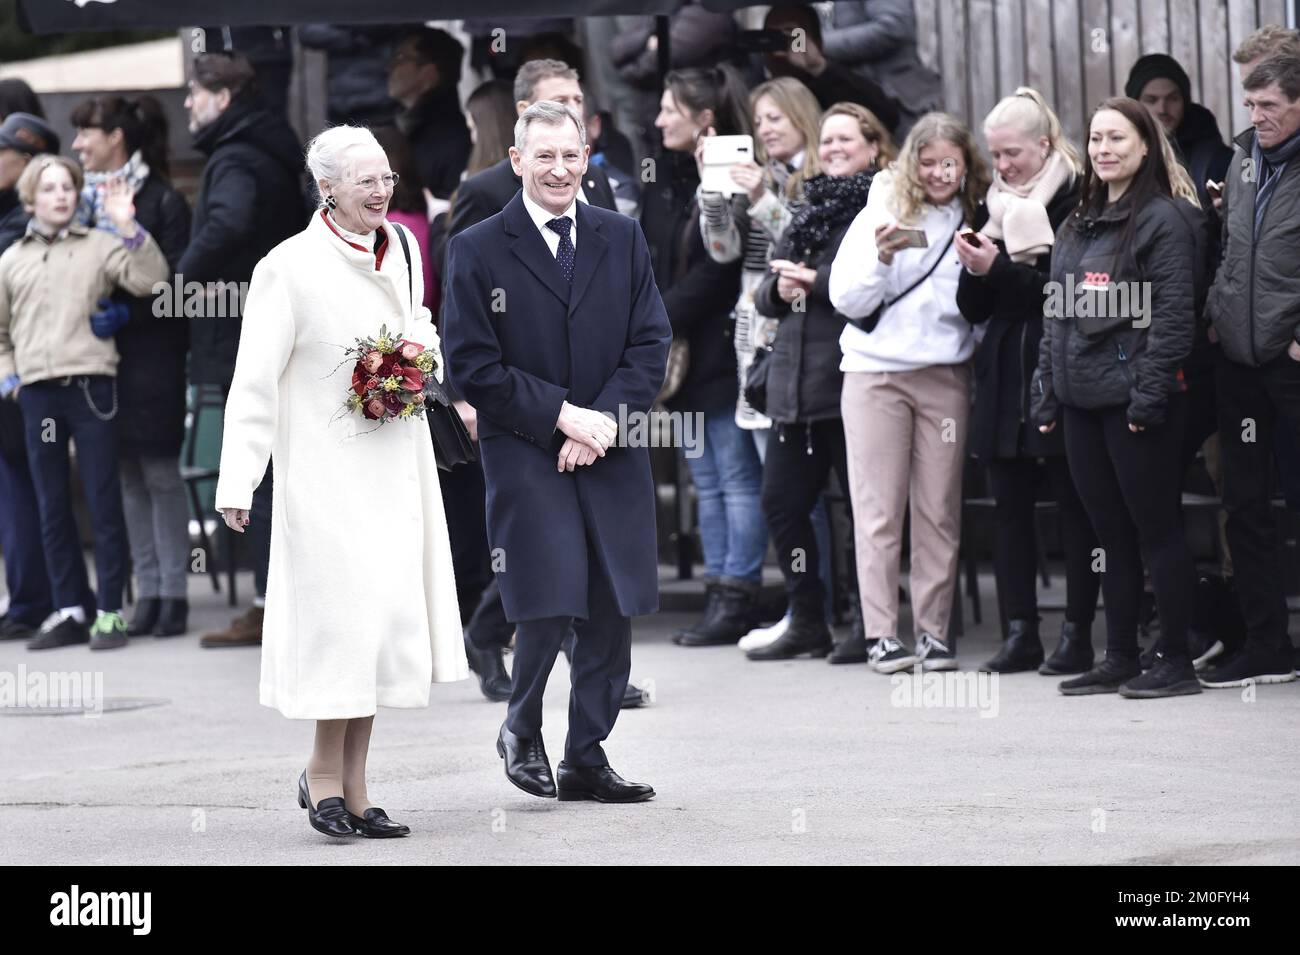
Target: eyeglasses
pixel 368 183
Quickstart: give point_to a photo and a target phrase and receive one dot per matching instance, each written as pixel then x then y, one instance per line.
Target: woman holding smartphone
pixel 1113 378
pixel 1035 187
pixel 906 396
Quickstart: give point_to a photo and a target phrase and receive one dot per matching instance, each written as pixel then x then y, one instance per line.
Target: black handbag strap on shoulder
pixel 406 251
pixel 871 321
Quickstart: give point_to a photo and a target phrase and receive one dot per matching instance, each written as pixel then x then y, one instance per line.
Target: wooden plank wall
pixel 1077 52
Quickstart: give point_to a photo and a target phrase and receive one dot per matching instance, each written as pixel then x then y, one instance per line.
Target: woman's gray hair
pixel 548 113
pixel 326 153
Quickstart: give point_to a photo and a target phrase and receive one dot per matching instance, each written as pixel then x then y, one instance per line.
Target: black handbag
pixel 756 380
pixel 451 441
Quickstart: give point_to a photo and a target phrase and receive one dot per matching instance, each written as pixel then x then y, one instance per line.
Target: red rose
pixel 374 408
pixel 372 383
pixel 389 365
pixel 393 402
pixel 371 361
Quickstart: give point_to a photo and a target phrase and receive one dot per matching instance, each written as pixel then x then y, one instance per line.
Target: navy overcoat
pixel 520 340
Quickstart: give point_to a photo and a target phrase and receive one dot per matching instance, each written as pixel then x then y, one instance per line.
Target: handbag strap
pixel 928 272
pixel 406 251
pixel 869 323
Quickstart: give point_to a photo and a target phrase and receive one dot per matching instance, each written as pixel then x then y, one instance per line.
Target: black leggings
pixel 1015 548
pixel 798 462
pixel 1130 486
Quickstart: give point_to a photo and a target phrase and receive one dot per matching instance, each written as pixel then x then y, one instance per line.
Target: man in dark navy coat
pixel 554 332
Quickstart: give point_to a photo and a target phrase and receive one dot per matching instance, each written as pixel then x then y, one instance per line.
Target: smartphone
pixel 1215 189
pixel 969 238
pixel 720 154
pixel 916 238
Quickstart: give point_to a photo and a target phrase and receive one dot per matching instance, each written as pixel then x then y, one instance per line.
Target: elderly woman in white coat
pixel 361 599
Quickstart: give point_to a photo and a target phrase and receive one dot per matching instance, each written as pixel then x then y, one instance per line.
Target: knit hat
pixel 1156 66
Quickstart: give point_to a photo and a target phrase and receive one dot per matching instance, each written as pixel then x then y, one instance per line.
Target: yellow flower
pixel 391 384
pixel 384 344
pixel 406 411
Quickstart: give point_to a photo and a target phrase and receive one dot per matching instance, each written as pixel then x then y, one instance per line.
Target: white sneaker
pixel 763 636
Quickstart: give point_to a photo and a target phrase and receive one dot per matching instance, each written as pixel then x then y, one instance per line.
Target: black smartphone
pixel 969 238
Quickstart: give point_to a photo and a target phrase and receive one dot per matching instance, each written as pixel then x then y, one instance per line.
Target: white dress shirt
pixel 540 217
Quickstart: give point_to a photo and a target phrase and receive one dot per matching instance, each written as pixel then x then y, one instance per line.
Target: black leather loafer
pixel 375 824
pixel 329 816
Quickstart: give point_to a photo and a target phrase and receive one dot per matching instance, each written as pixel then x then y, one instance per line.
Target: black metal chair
pixel 206 397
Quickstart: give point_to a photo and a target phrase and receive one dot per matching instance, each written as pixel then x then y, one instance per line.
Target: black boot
pixel 1074 652
pixel 807 633
pixel 712 606
pixel 146 616
pixel 1021 651
pixel 854 649
pixel 735 616
pixel 173 618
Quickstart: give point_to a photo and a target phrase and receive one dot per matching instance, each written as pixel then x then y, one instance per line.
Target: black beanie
pixel 1156 66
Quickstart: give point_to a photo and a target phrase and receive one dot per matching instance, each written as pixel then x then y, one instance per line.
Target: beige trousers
pixel 906 437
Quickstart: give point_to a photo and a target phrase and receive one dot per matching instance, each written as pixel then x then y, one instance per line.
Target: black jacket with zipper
pixel 1009 299
pixel 1123 360
pixel 803 375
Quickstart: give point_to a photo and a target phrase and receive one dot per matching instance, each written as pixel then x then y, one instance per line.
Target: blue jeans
pixel 729 481
pixel 59 409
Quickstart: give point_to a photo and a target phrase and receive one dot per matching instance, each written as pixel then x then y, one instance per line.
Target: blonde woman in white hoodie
pixel 906 396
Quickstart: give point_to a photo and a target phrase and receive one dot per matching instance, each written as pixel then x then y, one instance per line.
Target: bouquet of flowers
pixel 391 377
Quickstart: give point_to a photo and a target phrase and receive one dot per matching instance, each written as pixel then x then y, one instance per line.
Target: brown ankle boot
pixel 245 631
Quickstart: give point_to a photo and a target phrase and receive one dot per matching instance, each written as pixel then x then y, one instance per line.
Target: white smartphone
pixel 720 154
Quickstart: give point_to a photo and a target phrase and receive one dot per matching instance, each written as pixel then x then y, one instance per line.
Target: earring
pixel 331 202
pixel 962 187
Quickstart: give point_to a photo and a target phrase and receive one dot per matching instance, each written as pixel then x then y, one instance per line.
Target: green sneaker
pixel 108 632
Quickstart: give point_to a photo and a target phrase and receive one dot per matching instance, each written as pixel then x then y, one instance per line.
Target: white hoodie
pixel 924 328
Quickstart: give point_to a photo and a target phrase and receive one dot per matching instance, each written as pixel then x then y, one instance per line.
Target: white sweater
pixel 924 328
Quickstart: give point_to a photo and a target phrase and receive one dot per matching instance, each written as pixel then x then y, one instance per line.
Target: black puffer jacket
pixel 250 200
pixel 1123 359
pixel 699 293
pixel 151 374
pixel 1010 299
pixel 803 376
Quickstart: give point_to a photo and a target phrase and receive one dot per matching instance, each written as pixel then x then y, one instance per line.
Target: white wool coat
pixel 361 597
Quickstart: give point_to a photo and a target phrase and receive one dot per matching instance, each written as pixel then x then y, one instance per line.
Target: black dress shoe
pixel 375 824
pixel 490 668
pixel 632 698
pixel 1022 649
pixel 13 629
pixel 526 763
pixel 146 616
pixel 65 633
pixel 329 816
pixel 599 784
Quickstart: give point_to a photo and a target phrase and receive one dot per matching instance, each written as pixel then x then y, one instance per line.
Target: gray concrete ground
pixel 753 763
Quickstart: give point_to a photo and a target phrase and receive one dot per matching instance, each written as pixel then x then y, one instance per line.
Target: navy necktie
pixel 564 255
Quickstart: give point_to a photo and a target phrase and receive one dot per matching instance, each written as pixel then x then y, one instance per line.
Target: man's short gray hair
pixel 534 71
pixel 548 113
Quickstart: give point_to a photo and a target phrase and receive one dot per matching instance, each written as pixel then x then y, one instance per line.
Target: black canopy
pixel 71 16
